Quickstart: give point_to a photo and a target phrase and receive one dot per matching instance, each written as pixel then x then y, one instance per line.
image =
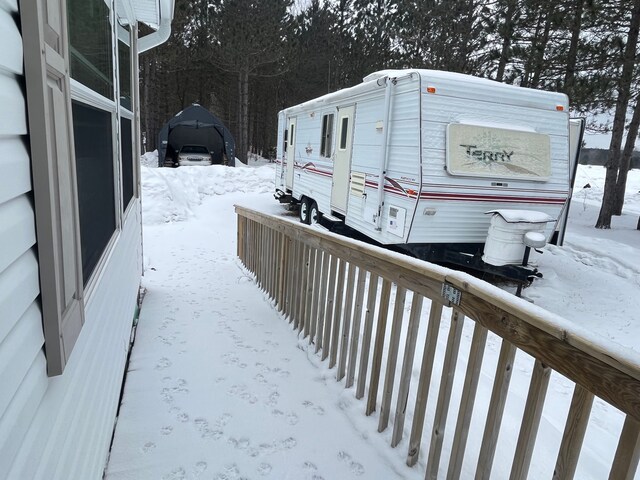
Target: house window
pixel 326 141
pixel 90 45
pixel 126 146
pixel 344 127
pixel 124 62
pixel 94 168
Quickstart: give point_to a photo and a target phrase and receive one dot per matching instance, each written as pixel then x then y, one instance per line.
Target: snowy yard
pixel 219 386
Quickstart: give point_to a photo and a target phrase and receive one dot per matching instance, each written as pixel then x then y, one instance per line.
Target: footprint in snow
pixel 167 430
pixel 163 363
pixel 176 474
pixel 264 469
pixel 202 425
pixel 182 417
pixel 316 408
pixel 148 447
pixel 355 467
pixel 231 472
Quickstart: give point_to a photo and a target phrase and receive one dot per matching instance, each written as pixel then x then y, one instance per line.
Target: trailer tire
pixel 305 207
pixel 314 214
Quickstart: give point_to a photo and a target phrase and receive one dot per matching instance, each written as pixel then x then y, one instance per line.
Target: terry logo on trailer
pixel 487 156
pixel 493 152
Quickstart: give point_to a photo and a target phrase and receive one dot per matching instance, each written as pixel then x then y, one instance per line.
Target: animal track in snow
pixel 355 467
pixel 167 430
pixel 163 363
pixel 176 474
pixel 148 447
pixel 316 408
pixel 264 469
pixel 199 468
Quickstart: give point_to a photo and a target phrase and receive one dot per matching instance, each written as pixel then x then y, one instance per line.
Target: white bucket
pixel 505 240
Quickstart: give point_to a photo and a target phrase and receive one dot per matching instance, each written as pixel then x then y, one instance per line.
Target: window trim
pixel 326 140
pixel 344 128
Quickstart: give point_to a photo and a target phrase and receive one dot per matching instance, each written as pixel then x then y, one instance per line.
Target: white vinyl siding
pixel 22 367
pixel 53 427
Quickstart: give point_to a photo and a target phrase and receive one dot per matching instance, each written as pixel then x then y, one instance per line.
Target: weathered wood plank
pixel 346 322
pixel 366 334
pixel 407 368
pixel 313 319
pixel 289 278
pixel 322 302
pixel 337 314
pixel 282 269
pixel 378 347
pixel 392 358
pixel 311 262
pixel 573 435
pixel 469 389
pixel 426 370
pixel 355 330
pixel 625 461
pixel 444 394
pixel 599 377
pixel 331 292
pixel 531 421
pixel 399 269
pixel 496 410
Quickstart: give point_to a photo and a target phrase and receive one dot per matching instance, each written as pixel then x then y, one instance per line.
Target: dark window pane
pixel 124 60
pixel 126 143
pixel 292 140
pixel 323 138
pixel 90 45
pixel 343 133
pixel 327 135
pixel 194 149
pixel 94 167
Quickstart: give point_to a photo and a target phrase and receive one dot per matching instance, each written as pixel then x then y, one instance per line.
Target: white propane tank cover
pixel 534 240
pixel 505 242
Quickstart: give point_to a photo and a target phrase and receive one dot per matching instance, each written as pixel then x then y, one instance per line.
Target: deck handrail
pixel 311 275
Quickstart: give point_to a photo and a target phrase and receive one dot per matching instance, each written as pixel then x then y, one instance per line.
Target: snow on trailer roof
pixel 473 87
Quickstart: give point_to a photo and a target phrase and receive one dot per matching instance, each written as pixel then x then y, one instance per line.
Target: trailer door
pixel 342 162
pixel 291 151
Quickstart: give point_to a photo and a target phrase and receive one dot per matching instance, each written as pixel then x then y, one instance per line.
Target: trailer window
pixel 326 141
pixel 285 139
pixel 344 127
pixel 291 136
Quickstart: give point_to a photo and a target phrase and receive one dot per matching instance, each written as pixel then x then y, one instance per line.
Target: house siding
pixel 22 366
pixel 59 427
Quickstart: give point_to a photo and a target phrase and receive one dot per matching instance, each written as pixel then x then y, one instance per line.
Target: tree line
pixel 245 60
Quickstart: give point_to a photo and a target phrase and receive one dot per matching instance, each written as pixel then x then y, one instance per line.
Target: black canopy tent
pixel 195 125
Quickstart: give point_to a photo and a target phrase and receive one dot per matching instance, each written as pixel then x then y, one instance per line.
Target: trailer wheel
pixel 314 214
pixel 305 207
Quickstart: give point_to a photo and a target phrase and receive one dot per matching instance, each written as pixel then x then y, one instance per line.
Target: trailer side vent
pixel 358 180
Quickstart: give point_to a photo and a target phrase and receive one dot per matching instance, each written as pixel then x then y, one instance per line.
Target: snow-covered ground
pixel 219 386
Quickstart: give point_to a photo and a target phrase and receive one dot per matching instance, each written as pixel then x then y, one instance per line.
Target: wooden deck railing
pixel 338 293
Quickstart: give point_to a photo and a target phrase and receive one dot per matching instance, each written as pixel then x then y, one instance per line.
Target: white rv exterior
pixel 448 148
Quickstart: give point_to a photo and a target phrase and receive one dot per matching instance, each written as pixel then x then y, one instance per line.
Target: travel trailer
pixel 420 161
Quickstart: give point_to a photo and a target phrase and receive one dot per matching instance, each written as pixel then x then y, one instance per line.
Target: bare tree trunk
pixel 243 85
pixel 625 162
pixel 622 103
pixel 505 55
pixel 572 55
pixel 541 47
